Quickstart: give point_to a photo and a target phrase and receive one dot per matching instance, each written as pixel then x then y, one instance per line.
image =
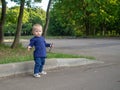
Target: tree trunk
pixel 19 26
pixel 47 19
pixel 87 27
pixel 86 18
pixel 103 28
pixel 2 20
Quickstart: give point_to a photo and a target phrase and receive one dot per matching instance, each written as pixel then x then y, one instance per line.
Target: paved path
pixel 77 78
pixel 103 49
pixel 103 76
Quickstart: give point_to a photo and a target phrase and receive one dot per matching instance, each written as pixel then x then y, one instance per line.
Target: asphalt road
pixel 103 76
pixel 107 50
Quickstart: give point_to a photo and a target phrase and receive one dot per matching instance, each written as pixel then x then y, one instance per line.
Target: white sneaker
pixel 36 75
pixel 43 73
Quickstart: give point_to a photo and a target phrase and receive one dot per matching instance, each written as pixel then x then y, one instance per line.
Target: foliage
pixel 85 17
pixel 70 18
pixel 27 1
pixel 30 17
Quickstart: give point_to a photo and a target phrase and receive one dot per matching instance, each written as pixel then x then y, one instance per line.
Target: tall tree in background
pixel 2 20
pixel 19 23
pixel 19 26
pixel 47 18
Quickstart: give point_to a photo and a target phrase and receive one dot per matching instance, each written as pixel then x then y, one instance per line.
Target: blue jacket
pixel 40 46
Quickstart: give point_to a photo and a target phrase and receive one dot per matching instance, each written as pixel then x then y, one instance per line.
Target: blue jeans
pixel 39 63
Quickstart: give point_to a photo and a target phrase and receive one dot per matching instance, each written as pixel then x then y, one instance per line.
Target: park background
pixel 67 18
pixel 63 18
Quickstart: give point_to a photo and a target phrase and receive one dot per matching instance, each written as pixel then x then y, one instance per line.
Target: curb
pixel 27 66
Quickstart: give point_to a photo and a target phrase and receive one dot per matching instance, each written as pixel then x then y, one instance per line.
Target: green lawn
pixel 8 55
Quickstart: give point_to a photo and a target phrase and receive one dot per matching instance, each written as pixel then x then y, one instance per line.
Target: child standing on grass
pixel 40 49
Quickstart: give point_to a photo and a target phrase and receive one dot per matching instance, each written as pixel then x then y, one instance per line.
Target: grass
pixel 22 37
pixel 8 55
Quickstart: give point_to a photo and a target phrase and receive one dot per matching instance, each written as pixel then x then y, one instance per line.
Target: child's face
pixel 37 32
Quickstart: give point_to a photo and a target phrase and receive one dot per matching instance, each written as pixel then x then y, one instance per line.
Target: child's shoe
pixel 36 75
pixel 43 73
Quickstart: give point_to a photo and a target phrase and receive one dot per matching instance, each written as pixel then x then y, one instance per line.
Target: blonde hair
pixel 36 26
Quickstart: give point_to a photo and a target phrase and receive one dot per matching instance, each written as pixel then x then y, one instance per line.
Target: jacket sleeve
pixel 47 44
pixel 31 44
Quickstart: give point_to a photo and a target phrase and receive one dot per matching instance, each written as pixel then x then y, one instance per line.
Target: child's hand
pixel 51 46
pixel 28 48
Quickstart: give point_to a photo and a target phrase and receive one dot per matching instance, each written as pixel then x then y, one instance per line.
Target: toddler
pixel 39 43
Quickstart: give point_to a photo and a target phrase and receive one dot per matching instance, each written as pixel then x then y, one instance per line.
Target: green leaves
pixel 30 17
pixel 84 16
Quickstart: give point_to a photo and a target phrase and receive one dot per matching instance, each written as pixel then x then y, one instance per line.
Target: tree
pixel 2 20
pixel 47 18
pixel 19 23
pixel 19 26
